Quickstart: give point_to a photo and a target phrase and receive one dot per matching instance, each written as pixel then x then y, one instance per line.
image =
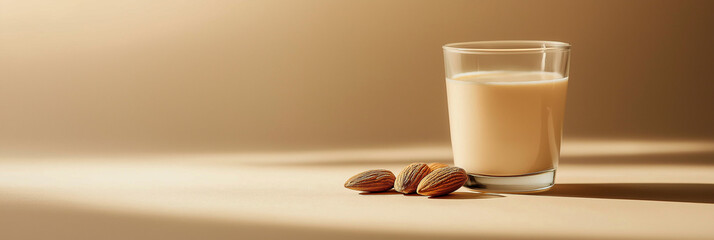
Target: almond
pixel 408 180
pixel 442 181
pixel 436 165
pixel 372 181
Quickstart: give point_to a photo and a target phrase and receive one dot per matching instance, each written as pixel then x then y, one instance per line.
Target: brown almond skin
pixel 436 165
pixel 378 180
pixel 442 181
pixel 409 178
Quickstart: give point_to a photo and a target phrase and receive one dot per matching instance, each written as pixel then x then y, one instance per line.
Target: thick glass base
pixel 528 183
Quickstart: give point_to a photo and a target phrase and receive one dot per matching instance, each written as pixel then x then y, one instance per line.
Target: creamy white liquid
pixel 506 123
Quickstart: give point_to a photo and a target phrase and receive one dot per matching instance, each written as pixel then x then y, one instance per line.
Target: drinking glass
pixel 506 103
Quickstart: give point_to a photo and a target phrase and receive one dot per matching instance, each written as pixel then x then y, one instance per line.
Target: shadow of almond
pixel 390 192
pixel 468 195
pixel 668 192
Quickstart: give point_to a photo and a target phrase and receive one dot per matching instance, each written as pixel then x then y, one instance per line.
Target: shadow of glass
pixel 697 159
pixel 668 192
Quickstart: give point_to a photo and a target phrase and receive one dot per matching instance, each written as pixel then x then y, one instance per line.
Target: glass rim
pixel 506 46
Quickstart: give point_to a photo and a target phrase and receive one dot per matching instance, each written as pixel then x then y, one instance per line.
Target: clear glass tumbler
pixel 506 105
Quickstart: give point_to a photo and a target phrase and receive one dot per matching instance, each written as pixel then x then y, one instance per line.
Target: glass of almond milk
pixel 506 104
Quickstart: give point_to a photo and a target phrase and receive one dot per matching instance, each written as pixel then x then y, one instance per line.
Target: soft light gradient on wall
pixel 137 76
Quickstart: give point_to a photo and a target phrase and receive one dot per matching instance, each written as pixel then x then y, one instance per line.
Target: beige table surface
pixel 624 189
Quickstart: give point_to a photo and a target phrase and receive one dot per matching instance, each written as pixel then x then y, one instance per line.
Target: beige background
pixel 100 76
pixel 249 116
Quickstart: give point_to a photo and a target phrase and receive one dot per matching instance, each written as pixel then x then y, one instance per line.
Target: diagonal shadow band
pixel 357 158
pixel 668 192
pixel 647 159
